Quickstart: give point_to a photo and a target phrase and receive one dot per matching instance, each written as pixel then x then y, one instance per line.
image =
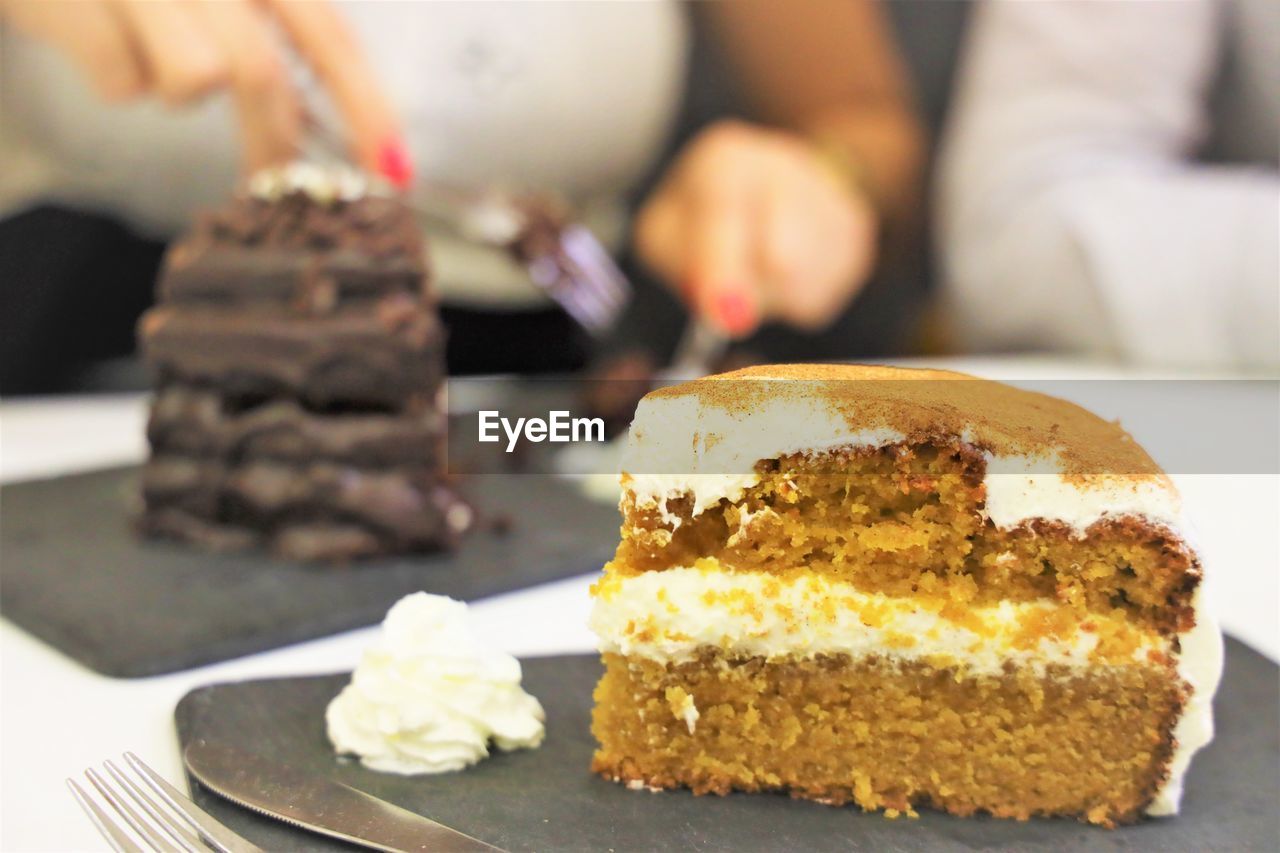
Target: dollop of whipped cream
pixel 428 697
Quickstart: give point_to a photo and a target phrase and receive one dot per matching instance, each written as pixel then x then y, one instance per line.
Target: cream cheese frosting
pixel 1021 489
pixel 1200 666
pixel 703 439
pixel 428 697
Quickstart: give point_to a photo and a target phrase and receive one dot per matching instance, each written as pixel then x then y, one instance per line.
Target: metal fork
pixel 167 822
pixel 561 256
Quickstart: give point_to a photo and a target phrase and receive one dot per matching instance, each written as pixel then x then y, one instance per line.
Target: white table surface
pixel 56 717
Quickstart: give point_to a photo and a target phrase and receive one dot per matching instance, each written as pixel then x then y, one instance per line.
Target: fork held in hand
pixel 168 820
pixel 562 257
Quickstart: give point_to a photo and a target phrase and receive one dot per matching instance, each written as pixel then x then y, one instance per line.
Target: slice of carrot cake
pixel 898 588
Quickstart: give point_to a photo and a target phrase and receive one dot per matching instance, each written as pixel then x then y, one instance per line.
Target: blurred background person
pixel 770 228
pixel 120 118
pixel 1109 181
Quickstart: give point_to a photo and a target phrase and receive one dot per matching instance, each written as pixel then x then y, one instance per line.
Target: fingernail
pixel 394 163
pixel 735 313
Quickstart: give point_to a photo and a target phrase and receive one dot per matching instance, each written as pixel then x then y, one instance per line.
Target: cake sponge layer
pixel 908 520
pixel 889 735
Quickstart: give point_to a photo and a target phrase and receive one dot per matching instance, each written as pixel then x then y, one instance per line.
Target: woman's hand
pixel 183 50
pixel 751 224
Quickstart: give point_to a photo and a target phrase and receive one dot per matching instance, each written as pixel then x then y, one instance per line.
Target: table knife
pixel 320 805
pixel 700 349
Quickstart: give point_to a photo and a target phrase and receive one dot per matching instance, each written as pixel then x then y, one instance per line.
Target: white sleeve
pixel 1071 213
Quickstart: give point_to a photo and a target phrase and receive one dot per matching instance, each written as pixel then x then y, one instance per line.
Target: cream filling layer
pixel 672 614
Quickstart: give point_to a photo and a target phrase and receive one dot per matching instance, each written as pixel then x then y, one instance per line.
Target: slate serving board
pixel 547 800
pixel 76 576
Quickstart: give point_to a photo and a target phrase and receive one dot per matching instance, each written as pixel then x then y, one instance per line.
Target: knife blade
pixel 700 347
pixel 318 804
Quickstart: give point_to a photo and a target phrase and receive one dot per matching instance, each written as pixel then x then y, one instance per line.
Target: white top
pixel 571 97
pixel 1073 215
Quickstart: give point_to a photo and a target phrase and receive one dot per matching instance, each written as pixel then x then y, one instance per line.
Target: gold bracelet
pixel 847 166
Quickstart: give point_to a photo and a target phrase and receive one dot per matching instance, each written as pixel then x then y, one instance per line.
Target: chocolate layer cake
pixel 299 359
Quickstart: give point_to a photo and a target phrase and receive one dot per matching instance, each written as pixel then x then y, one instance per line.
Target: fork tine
pixel 586 289
pixel 567 290
pixel 596 274
pixel 210 830
pixel 175 829
pixel 608 303
pixel 586 250
pixel 127 814
pixel 580 274
pixel 111 831
pixel 575 299
pixel 581 307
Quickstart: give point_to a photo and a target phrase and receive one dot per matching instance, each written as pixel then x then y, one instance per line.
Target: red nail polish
pixel 735 313
pixel 394 164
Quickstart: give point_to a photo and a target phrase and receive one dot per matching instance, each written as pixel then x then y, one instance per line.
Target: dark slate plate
pixel 75 575
pixel 547 800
